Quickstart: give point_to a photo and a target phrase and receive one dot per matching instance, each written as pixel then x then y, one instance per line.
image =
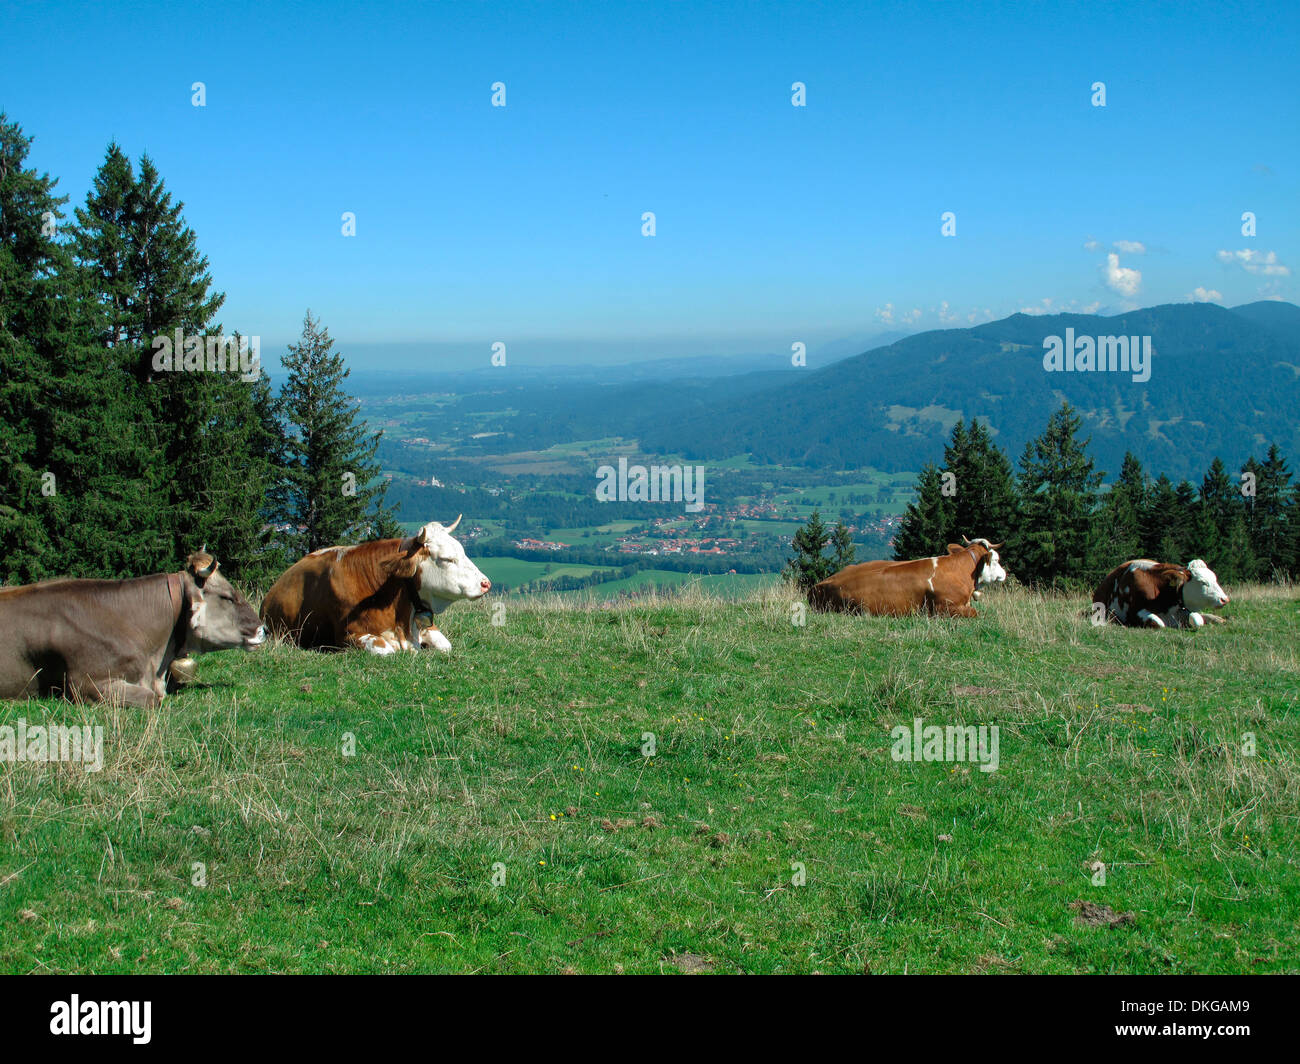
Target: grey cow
pixel 90 640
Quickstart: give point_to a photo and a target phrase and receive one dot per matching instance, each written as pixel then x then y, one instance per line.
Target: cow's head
pixel 220 618
pixel 437 562
pixel 991 572
pixel 1201 591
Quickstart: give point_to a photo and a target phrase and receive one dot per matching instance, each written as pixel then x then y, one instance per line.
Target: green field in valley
pixel 683 785
pixel 513 572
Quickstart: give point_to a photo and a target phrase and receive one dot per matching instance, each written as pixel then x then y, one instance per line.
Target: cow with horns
pixel 371 594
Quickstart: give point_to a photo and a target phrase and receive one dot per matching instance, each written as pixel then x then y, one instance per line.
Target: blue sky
pixel 774 223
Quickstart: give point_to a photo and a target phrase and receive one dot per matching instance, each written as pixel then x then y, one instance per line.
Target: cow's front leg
pixel 1212 617
pixel 432 639
pixel 947 608
pixel 133 694
pixel 1149 619
pixel 115 690
pixel 379 645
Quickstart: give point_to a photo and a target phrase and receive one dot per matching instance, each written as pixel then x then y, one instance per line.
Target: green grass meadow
pixel 498 811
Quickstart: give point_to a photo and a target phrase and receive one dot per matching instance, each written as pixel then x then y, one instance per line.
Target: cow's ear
pixel 996 546
pixel 405 566
pixel 955 548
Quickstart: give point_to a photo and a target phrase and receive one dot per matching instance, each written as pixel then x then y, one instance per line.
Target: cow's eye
pixel 444 561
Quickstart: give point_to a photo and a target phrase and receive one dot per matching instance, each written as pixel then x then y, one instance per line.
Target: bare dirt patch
pixel 1090 914
pixel 691 963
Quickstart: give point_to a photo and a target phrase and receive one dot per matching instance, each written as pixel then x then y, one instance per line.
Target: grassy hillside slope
pixel 523 750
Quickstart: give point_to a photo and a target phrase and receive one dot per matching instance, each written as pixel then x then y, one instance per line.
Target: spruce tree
pixel 1156 516
pixel 809 564
pixel 1119 534
pixel 34 334
pixel 1179 541
pixel 123 500
pixel 198 453
pixel 985 501
pixel 842 544
pixel 333 491
pixel 1221 526
pixel 1058 500
pixel 1268 517
pixel 924 530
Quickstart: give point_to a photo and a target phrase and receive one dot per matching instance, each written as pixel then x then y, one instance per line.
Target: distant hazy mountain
pixel 380 368
pixel 1223 382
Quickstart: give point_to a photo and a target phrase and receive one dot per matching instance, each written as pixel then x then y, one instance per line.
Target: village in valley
pixel 536 521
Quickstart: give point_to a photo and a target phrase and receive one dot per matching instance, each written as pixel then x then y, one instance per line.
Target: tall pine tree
pixel 809 563
pixel 1119 524
pixel 29 299
pixel 984 503
pixel 1058 500
pixel 927 522
pixel 199 451
pixel 1268 517
pixel 333 492
pixel 1221 526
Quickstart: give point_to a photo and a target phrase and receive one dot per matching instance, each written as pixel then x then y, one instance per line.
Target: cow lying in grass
pixel 119 639
pixel 370 595
pixel 942 586
pixel 1143 593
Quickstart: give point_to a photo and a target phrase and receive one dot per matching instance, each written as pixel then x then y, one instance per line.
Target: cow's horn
pixel 452 527
pixel 196 559
pixel 965 540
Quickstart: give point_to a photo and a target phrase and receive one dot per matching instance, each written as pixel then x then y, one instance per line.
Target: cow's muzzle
pixel 257 638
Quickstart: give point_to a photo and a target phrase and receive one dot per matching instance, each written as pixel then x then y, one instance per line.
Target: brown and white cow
pixel 943 585
pixel 89 640
pixel 371 594
pixel 953 548
pixel 1159 595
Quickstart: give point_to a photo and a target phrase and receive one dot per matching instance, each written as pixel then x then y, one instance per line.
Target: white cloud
pixel 1205 295
pixel 1130 247
pixel 1044 306
pixel 946 315
pixel 886 315
pixel 1256 262
pixel 1091 245
pixel 1122 279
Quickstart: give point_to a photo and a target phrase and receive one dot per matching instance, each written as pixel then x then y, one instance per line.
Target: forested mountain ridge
pixel 1222 382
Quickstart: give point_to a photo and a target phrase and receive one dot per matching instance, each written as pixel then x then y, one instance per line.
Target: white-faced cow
pixel 370 595
pixel 90 640
pixel 1160 595
pixel 943 585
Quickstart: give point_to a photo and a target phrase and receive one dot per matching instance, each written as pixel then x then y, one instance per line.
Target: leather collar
pixel 176 592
